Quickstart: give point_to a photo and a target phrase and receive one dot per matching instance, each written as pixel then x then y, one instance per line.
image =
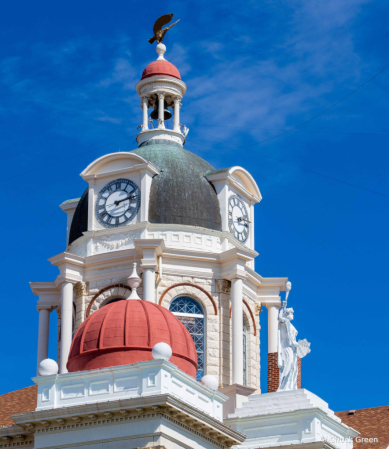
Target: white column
pixel 161 121
pixel 43 335
pixel 149 284
pixel 145 125
pixel 272 317
pixel 176 119
pixel 237 330
pixel 66 324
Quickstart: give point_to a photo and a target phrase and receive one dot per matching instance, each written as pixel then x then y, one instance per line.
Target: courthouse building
pixel 161 249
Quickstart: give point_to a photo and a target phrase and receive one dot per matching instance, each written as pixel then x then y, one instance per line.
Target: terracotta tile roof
pixel 370 423
pixel 19 401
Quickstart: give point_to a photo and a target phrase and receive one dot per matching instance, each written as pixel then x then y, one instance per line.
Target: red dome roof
pixel 125 332
pixel 161 67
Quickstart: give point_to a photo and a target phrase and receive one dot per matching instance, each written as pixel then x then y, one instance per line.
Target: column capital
pixel 48 307
pixel 235 273
pixel 158 245
pixel 149 250
pixel 257 308
pixel 66 279
pixel 275 304
pixel 161 95
pixel 149 264
pixel 80 289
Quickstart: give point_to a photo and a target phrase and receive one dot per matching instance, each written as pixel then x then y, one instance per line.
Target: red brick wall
pixel 299 373
pixel 273 375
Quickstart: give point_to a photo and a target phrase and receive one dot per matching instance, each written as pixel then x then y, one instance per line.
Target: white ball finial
pixel 161 49
pixel 48 367
pixel 133 281
pixel 161 351
pixel 210 382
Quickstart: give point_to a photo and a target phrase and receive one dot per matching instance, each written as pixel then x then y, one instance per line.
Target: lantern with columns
pixel 161 87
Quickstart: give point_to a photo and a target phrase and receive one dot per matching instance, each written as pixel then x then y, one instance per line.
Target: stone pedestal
pixel 285 418
pixel 237 395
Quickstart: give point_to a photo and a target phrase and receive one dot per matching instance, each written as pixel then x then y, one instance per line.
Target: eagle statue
pixel 159 33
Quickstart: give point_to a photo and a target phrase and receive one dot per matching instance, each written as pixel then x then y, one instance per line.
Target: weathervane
pixel 159 33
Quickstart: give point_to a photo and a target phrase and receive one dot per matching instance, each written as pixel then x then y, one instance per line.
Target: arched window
pixel 191 315
pixel 244 352
pixel 110 301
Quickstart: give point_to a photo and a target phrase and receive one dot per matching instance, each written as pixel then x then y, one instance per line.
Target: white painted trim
pixel 90 170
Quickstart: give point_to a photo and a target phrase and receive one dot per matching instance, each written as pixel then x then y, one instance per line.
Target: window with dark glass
pixel 110 301
pixel 191 315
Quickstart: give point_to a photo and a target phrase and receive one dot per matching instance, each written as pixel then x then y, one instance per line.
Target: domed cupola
pixel 125 332
pixel 161 89
pixel 180 194
pixel 161 67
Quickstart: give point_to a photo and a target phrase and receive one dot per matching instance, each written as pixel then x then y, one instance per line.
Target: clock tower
pixel 189 228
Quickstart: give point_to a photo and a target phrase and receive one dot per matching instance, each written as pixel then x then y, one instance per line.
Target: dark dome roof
pixel 180 194
pixel 80 219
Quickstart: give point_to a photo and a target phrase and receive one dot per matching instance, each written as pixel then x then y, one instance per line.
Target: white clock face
pixel 238 219
pixel 117 203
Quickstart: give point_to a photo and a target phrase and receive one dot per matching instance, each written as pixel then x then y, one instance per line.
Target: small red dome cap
pixel 125 332
pixel 161 67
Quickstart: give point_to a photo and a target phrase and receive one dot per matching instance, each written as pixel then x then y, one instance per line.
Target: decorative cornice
pixel 143 164
pixel 43 288
pixel 160 80
pixel 225 175
pixel 15 436
pixel 132 409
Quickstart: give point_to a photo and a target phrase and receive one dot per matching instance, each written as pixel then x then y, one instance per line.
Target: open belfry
pixel 159 306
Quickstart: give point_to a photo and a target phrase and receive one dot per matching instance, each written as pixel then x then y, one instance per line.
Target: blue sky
pixel 253 70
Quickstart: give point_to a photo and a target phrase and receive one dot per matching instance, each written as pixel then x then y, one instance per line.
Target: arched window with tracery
pixel 191 315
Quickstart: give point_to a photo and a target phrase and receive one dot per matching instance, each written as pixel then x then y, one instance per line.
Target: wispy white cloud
pixel 253 83
pixel 116 121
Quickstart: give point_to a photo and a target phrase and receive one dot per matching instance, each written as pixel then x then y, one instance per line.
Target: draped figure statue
pixel 288 350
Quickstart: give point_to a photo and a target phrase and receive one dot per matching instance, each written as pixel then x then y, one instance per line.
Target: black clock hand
pixel 239 220
pixel 130 197
pixel 115 203
pixel 244 219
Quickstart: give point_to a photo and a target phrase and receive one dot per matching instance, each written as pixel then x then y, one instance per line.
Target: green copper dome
pixel 180 194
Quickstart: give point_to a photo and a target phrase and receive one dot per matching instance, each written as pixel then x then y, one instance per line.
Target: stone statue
pixel 159 33
pixel 288 350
